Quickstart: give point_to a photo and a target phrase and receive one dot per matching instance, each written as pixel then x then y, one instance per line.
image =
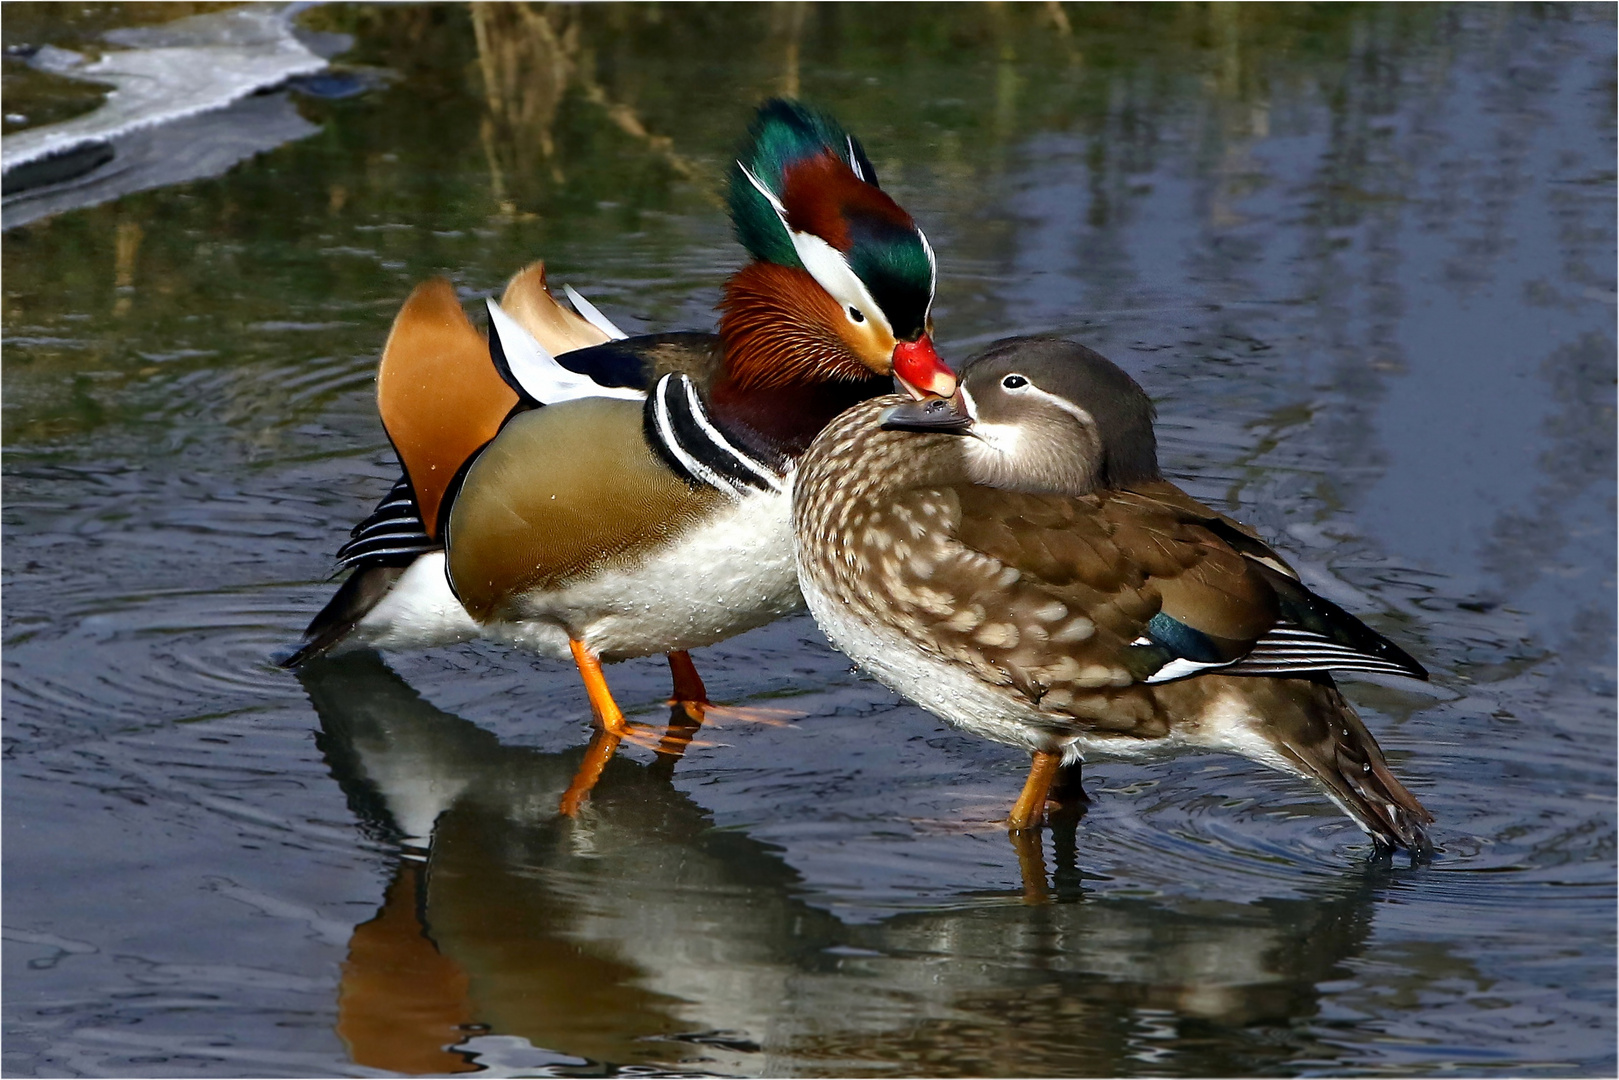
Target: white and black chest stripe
pixel 680 430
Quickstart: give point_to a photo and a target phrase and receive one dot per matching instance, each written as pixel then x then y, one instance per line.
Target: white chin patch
pixel 992 453
pixel 997 442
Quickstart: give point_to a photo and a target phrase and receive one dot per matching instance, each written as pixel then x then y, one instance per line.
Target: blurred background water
pixel 1362 258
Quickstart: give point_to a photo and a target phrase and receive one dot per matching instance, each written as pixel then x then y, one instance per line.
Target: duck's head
pixel 842 286
pixel 1041 415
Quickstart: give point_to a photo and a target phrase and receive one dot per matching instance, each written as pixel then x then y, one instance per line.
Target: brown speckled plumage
pixel 1043 597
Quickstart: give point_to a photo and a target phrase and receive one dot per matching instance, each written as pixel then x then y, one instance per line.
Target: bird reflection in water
pixel 638 934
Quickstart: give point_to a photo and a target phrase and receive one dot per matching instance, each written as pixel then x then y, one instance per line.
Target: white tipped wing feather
pixel 593 315
pixel 537 371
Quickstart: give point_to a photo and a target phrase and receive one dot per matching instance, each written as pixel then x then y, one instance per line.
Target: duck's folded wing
pixel 439 396
pixel 1166 597
pixel 1056 595
pixel 529 302
pixel 1311 634
pixel 1314 634
pixel 1034 593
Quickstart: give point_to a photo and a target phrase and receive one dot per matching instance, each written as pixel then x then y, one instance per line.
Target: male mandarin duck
pixel 1012 560
pixel 589 495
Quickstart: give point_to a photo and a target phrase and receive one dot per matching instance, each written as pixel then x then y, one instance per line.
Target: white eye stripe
pixel 827 265
pixel 933 271
pixel 1061 402
pixel 1002 437
pixel 831 270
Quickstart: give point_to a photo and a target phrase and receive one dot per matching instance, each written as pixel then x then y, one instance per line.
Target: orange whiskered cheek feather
pixel 869 343
pixel 779 328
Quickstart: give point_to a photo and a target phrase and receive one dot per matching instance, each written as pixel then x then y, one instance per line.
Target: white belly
pixel 726 575
pixel 957 696
pixel 946 690
pixel 419 611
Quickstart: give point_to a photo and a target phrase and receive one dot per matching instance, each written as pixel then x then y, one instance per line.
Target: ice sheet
pixel 170 73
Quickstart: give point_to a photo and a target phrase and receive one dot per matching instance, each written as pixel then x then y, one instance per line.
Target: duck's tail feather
pixel 1324 738
pixel 363 590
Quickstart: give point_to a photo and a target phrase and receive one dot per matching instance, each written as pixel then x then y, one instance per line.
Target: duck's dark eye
pixel 1014 382
pixel 856 316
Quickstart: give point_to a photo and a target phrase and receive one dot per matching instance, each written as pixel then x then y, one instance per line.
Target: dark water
pixel 1363 258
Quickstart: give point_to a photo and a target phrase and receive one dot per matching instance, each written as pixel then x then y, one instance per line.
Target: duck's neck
pixel 786 373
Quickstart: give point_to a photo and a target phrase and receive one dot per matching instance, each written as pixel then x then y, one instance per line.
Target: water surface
pixel 1362 258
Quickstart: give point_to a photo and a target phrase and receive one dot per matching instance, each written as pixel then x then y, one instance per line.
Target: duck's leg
pixel 606 710
pixel 610 728
pixel 1067 798
pixel 687 704
pixel 691 698
pixel 689 688
pixel 1030 810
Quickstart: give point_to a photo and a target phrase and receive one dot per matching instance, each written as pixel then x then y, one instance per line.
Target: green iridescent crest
pixel 896 266
pixel 782 134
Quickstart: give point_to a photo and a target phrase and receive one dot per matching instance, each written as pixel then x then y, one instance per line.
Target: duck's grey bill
pixel 944 415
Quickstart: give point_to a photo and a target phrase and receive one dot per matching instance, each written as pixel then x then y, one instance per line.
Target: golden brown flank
pixel 439 396
pixel 565 491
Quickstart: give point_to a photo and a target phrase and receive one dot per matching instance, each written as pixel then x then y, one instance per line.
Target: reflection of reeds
pixel 787 27
pixel 527 62
pixel 530 55
pixel 126 247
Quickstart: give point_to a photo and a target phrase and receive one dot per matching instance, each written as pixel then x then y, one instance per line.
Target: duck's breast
pixel 570 525
pixel 728 572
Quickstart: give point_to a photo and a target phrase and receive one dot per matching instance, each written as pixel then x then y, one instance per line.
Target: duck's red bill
pixel 920 371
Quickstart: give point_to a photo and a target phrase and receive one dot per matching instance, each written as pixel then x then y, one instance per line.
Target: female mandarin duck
pixel 645 508
pixel 1012 560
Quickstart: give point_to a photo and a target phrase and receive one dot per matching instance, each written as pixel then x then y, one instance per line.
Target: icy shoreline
pixel 169 73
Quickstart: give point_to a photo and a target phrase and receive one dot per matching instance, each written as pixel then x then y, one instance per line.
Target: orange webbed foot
pixel 769 716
